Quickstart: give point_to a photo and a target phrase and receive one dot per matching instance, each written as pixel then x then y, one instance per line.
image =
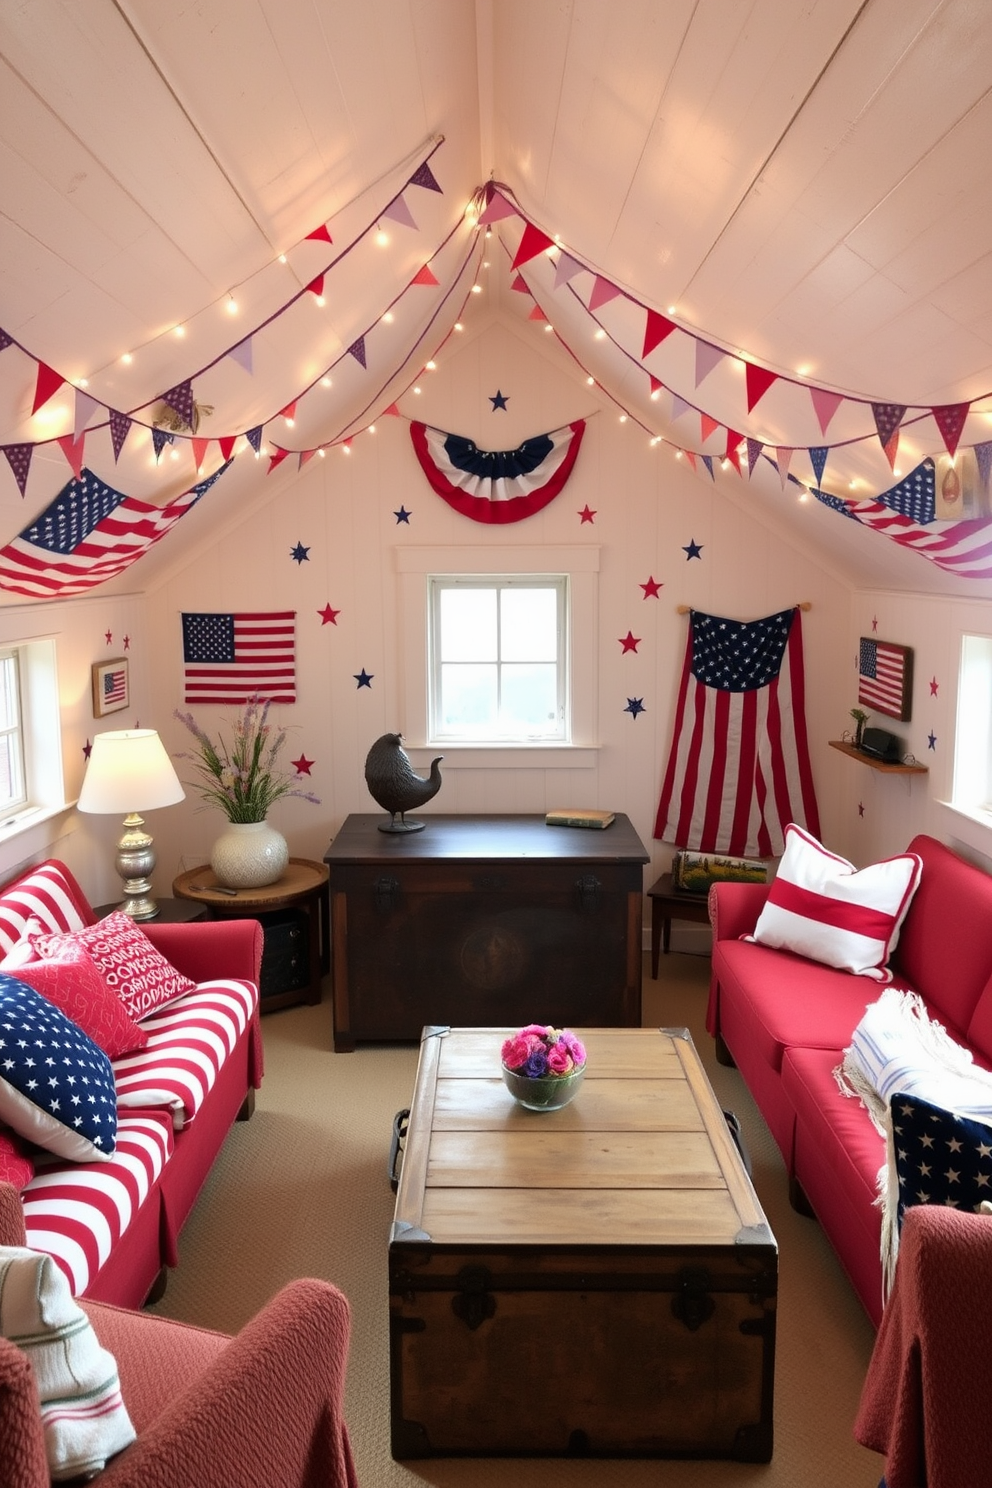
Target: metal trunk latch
pixel 588 886
pixel 691 1302
pixel 473 1302
pixel 385 891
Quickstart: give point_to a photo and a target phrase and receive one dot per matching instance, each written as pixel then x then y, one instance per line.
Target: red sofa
pixel 785 1022
pixel 113 1227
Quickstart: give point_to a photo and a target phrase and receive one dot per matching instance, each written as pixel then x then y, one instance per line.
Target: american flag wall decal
pixel 885 678
pixel 228 658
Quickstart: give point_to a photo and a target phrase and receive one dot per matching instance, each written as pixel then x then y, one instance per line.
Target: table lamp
pixel 129 771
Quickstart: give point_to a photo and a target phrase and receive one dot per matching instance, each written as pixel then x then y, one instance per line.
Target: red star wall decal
pixel 861 808
pixel 87 749
pixel 302 765
pixel 586 514
pixel 328 616
pixel 127 643
pixel 933 686
pixel 874 622
pixel 629 642
pixel 108 636
pixel 652 589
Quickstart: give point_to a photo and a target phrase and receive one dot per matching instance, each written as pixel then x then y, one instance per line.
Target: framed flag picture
pixel 110 686
pixel 885 678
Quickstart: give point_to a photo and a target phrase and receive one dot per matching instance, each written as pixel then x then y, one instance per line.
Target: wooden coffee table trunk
pixel 597 1281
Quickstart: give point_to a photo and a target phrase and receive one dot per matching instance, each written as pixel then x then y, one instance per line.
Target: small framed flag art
pixel 110 686
pixel 885 678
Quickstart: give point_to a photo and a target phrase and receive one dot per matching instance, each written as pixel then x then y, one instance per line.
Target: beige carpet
pixel 302 1190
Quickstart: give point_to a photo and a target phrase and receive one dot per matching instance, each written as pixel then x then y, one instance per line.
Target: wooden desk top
pixel 483 839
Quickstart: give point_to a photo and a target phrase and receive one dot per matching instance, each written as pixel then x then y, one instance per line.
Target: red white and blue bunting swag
pixel 497 486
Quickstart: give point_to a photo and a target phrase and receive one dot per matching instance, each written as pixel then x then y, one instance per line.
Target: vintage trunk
pixel 483 919
pixel 598 1281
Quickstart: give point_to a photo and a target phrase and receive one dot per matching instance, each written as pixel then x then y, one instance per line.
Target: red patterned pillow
pixel 132 968
pixel 16 1166
pixel 73 983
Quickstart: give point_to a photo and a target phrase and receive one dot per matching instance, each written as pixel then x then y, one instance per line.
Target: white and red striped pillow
pixel 822 907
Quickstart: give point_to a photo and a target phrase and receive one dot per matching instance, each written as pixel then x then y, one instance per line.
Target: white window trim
pixel 414 565
pixel 42 733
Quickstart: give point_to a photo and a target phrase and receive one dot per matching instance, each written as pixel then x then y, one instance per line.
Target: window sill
pixel 28 820
pixel 505 756
pixel 969 824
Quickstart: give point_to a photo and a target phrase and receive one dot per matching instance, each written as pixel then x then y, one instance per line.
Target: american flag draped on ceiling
pixel 739 768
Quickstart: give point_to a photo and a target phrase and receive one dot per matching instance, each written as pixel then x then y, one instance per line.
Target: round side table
pixel 293 914
pixel 170 912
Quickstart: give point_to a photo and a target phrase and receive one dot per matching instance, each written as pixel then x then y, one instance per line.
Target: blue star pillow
pixel 940 1158
pixel 56 1085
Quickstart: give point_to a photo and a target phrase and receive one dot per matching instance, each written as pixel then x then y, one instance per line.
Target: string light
pixel 382 237
pixel 388 317
pixel 431 366
pixel 232 304
pixel 476 288
pixel 460 327
pixel 179 330
pixel 127 359
pixel 326 382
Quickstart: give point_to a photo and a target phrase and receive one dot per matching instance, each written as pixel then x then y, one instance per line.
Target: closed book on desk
pixel 577 816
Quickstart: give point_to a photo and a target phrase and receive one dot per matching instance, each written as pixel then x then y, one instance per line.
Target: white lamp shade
pixel 129 771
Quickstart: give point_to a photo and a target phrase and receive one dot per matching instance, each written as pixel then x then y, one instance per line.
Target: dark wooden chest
pixel 595 1281
pixel 483 919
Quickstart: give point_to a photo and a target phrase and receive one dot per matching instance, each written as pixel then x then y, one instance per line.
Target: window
pixel 12 788
pixel 973 741
pixel 498 658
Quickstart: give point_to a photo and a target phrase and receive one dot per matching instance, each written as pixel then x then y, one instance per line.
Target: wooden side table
pixel 170 912
pixel 667 904
pixel 293 909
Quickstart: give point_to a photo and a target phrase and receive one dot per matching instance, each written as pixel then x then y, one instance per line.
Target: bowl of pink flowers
pixel 543 1067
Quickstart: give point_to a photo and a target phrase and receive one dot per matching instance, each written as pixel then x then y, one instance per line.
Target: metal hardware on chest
pixel 474 1302
pixel 385 891
pixel 692 1303
pixel 589 888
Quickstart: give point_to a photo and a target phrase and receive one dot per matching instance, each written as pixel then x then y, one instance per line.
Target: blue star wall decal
pixel 693 549
pixel 363 678
pixel 402 516
pixel 634 706
pixel 300 554
pixel 932 741
pixel 499 401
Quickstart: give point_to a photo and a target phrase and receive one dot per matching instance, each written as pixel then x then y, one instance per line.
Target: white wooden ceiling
pixel 803 182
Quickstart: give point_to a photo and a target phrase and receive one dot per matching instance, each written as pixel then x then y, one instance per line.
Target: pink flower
pixel 575 1046
pixel 539 1030
pixel 559 1059
pixel 516 1051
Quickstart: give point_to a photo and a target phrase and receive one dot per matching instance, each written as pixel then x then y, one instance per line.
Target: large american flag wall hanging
pixel 229 658
pixel 497 486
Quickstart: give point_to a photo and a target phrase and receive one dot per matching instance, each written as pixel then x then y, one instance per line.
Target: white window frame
pixel 15 732
pixel 971 792
pixel 41 735
pixel 415 565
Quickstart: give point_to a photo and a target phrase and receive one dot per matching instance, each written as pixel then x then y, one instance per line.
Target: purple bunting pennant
pixel 818 459
pixel 708 462
pixel 254 437
pixel 754 448
pixel 160 438
pixel 242 354
pixel 5 340
pixel 398 211
pixel 983 455
pixel 19 460
pixel 181 399
pixel 357 349
pixel 120 426
pixel 888 417
pixel 424 176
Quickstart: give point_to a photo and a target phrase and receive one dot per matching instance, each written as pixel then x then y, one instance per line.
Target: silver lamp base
pixel 135 861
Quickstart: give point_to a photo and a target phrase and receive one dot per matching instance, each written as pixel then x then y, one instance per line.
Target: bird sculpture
pixel 392 782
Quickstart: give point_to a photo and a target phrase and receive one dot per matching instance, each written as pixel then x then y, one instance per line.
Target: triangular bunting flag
pixel 305 455
pixel 319 235
pixel 892 448
pixel 48 383
pixel 289 412
pixel 316 286
pixel 398 211
pixel 181 399
pixel 783 459
pixel 691 457
pixel 391 410
pixel 707 356
pixel 497 209
pixel 950 420
pixel 983 455
pixel 679 406
pixel 120 426
pixel 754 448
pixel 254 437
pixel 818 459
pixel 888 417
pixel 73 451
pixel 708 462
pixel 19 460
pixel 424 176
pixel 656 329
pixel 734 442
pixel 536 313
pixel 357 349
pixel 734 456
pixel 85 408
pixel 656 384
pixel 5 340
pixel 602 292
pixel 758 380
pixel 532 243
pixel 566 268
pixel 242 354
pixel 276 459
pixel 227 446
pixel 160 438
pixel 519 283
pixel 825 405
pixel 707 426
pixel 426 276
pixel 200 447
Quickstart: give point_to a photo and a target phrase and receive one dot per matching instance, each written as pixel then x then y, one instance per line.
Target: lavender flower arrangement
pixel 540 1052
pixel 242 777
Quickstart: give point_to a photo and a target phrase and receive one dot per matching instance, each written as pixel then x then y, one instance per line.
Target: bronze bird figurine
pixel 393 784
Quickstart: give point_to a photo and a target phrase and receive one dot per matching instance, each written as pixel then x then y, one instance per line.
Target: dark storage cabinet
pixel 483 920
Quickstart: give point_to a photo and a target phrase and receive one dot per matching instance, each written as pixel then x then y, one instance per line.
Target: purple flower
pixel 537 1065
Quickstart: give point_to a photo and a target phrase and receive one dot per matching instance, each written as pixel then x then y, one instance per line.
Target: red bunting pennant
pixel 690 456
pixel 316 286
pixel 734 456
pixel 734 442
pixel 288 412
pixel 759 380
pixel 519 283
pixel 655 331
pixel 73 451
pixel 536 313
pixel 426 276
pixel 707 425
pixel 49 382
pixel 656 384
pixel 950 420
pixel 200 447
pixel 602 292
pixel 392 409
pixel 227 446
pixel 892 448
pixel 825 405
pixel 277 458
pixel 532 243
pixel 305 456
pixel 320 235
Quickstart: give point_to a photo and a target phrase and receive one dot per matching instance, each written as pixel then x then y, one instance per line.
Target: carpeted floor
pixel 302 1190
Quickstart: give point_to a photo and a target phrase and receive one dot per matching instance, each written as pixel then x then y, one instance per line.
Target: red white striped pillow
pixel 822 907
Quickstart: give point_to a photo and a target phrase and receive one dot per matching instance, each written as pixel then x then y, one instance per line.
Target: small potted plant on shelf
pixel 860 719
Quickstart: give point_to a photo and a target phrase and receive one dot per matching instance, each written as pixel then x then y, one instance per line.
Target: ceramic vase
pixel 548 1094
pixel 249 855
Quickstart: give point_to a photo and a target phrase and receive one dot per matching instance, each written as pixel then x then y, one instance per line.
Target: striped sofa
pixel 113 1226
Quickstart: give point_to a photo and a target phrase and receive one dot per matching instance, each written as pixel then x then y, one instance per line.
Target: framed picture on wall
pixel 110 686
pixel 885 678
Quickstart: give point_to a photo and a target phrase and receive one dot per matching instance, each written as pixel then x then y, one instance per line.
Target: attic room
pixel 708 282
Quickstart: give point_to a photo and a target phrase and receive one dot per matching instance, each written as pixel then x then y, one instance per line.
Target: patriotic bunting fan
pixel 497 486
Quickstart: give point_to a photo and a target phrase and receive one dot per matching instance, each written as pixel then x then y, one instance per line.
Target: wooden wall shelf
pixel 874 764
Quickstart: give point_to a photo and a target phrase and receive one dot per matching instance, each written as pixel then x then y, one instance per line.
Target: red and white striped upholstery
pixel 188 1042
pixel 48 894
pixel 76 1212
